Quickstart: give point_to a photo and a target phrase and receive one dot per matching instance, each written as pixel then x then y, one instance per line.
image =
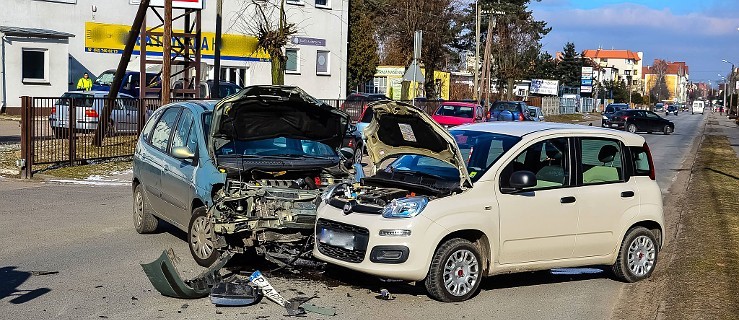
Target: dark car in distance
pixel 509 111
pixel 642 120
pixel 610 110
pixel 671 109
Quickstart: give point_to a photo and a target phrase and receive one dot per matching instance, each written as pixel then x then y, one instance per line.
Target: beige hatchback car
pixel 482 199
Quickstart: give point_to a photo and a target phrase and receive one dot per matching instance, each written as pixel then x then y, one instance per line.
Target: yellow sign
pixel 111 38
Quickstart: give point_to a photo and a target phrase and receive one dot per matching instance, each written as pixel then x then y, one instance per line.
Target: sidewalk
pixel 722 125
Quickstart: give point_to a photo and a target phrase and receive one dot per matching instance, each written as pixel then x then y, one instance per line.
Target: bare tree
pixel 268 22
pixel 658 83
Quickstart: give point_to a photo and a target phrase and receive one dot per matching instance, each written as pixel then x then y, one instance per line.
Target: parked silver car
pixel 88 107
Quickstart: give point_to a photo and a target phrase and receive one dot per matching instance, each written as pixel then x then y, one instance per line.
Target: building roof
pixel 678 68
pixel 34 33
pixel 611 54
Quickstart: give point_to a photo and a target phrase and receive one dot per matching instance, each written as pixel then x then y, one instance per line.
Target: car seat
pixel 552 173
pixel 606 172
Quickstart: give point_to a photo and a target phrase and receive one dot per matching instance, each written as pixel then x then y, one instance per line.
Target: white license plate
pixel 336 238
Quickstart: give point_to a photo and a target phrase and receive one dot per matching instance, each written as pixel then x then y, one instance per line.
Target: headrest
pixel 607 153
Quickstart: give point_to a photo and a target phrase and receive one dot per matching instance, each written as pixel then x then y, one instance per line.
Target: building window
pixel 635 82
pixel 35 65
pixel 323 4
pixel 376 85
pixel 298 2
pixel 627 72
pixel 293 60
pixel 322 62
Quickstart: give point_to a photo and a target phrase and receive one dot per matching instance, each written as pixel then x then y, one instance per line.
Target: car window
pixel 163 129
pixel 146 132
pixel 206 123
pixel 480 150
pixel 354 97
pixel 180 136
pixel 424 164
pixel 609 109
pixel 640 159
pixel 600 161
pixel 548 160
pixel 455 111
pixel 652 115
pixel 280 146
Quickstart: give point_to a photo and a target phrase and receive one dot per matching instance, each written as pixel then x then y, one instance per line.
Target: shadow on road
pixel 11 279
pixel 542 277
pixel 722 173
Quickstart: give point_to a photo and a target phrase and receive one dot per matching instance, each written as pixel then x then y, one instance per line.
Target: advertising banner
pixel 546 87
pixel 111 38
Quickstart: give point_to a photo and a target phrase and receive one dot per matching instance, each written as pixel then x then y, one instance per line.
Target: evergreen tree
pixel 569 69
pixel 362 52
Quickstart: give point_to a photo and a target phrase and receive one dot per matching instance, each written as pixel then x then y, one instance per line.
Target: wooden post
pixel 26 169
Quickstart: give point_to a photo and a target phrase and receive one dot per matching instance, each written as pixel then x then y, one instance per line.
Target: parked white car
pixel 492 198
pixel 698 107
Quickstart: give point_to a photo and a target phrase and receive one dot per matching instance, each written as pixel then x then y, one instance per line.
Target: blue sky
pixel 700 32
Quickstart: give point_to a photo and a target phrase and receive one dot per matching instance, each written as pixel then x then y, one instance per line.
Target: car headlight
pixel 605 118
pixel 329 192
pixel 405 208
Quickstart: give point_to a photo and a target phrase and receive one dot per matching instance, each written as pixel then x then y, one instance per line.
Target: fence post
pixel 72 131
pixel 141 115
pixel 26 162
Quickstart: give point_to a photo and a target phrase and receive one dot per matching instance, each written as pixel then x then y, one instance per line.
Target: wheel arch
pixel 135 183
pixel 479 239
pixel 651 225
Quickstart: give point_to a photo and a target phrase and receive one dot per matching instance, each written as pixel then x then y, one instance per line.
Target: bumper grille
pixel 361 239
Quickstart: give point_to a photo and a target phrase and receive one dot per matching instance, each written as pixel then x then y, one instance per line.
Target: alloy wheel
pixel 201 239
pixel 642 255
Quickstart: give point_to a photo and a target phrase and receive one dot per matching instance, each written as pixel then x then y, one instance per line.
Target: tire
pixel 143 220
pixel 631 128
pixel 201 238
pixel 457 260
pixel 639 243
pixel 667 130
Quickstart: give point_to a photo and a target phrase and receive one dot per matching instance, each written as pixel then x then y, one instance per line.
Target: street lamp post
pixel 477 49
pixel 725 84
pixel 731 80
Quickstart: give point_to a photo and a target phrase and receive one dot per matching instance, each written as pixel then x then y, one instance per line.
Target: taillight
pixel 625 118
pixel 520 117
pixel 351 143
pixel 91 113
pixel 652 174
pixel 53 109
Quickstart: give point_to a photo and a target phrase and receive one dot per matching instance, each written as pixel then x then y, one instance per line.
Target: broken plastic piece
pixel 236 292
pixel 385 295
pixel 319 310
pixel 164 276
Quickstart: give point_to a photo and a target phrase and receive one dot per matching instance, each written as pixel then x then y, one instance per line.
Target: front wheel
pixel 631 128
pixel 358 153
pixel 455 272
pixel 143 220
pixel 667 130
pixel 201 238
pixel 637 256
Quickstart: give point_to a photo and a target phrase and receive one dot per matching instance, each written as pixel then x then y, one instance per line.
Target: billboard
pixel 546 87
pixel 180 4
pixel 586 80
pixel 111 38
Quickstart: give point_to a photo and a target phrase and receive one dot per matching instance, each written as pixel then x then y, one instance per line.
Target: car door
pixel 540 223
pixel 177 174
pixel 654 121
pixel 604 195
pixel 156 159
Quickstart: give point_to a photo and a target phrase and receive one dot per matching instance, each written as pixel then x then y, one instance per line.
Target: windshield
pixel 283 147
pixel 480 150
pixel 455 111
pixel 368 112
pixel 502 106
pixel 105 78
pixel 79 99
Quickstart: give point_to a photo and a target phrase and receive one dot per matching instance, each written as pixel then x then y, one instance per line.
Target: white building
pixel 623 65
pixel 317 54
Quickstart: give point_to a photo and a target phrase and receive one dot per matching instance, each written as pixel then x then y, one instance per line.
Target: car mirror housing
pixel 346 153
pixel 522 180
pixel 182 153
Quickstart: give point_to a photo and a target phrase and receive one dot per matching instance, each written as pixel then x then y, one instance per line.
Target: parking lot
pixel 72 252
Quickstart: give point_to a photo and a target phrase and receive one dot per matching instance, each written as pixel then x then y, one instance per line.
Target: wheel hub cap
pixel 202 238
pixel 461 272
pixel 642 255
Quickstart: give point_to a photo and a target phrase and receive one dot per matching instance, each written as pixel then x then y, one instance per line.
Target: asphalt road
pixel 85 234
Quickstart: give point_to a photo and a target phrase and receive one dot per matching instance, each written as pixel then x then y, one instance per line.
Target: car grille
pixel 361 236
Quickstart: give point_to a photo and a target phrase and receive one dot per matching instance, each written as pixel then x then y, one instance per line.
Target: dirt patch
pixel 697 276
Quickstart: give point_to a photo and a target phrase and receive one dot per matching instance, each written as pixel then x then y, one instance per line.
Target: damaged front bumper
pixel 165 277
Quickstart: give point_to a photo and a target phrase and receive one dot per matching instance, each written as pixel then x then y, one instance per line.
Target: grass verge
pixel 84 171
pixel 703 278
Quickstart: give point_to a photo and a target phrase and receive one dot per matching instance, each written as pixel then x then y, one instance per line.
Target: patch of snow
pixel 98 182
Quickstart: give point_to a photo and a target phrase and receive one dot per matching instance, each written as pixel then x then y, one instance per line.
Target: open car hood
pixel 398 128
pixel 264 112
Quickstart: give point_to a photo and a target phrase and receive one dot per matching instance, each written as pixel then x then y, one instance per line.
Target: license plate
pixel 336 238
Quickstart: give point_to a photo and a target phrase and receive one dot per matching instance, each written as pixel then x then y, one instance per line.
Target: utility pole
pixel 216 92
pixel 167 56
pixel 477 52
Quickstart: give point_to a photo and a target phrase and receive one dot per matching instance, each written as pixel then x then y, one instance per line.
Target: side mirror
pixel 522 180
pixel 182 153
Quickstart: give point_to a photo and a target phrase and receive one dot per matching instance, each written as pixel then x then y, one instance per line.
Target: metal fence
pixel 355 108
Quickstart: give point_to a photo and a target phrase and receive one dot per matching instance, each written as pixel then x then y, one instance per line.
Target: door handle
pixel 567 200
pixel 627 194
pixel 166 168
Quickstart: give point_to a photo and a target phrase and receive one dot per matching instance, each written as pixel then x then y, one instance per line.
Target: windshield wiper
pixel 294 155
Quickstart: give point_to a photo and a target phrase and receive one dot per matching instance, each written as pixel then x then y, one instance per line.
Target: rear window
pixel 367 117
pixel 455 111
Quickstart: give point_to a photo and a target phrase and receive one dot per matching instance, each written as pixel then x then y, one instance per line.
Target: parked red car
pixel 451 113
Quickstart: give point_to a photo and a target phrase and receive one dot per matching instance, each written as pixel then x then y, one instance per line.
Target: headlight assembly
pixel 405 208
